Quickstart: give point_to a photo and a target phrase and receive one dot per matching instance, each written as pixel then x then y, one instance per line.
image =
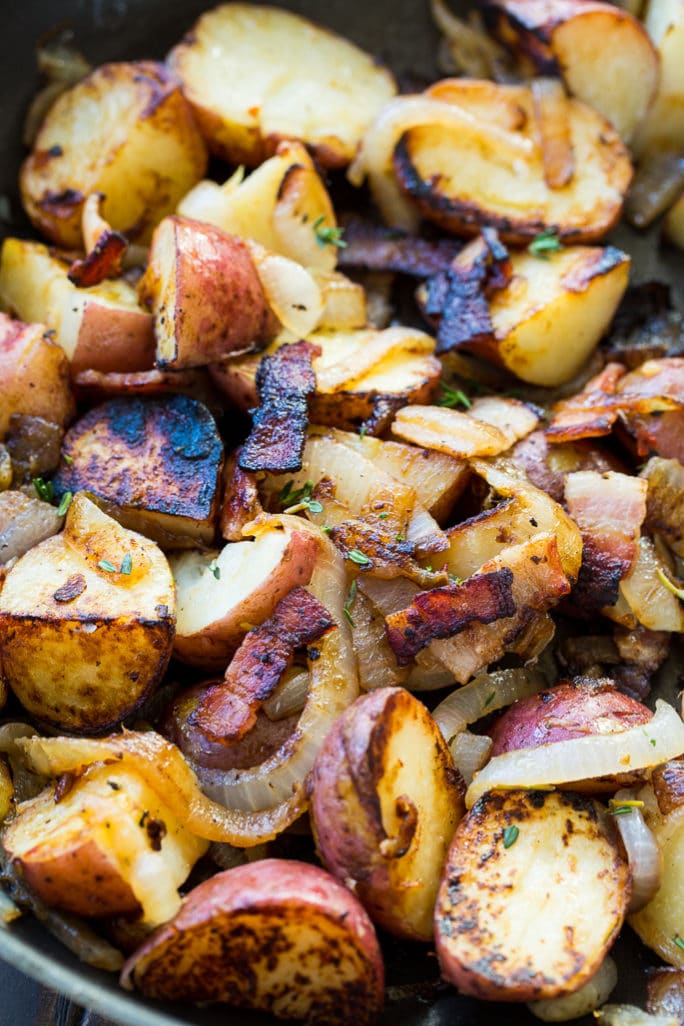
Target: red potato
pixel 280 936
pixel 217 607
pixel 386 800
pixel 533 894
pixel 205 293
pixel 34 375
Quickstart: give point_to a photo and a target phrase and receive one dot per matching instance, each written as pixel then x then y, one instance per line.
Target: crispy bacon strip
pixel 444 612
pixel 609 510
pixel 105 248
pixel 377 248
pixel 285 380
pixel 227 711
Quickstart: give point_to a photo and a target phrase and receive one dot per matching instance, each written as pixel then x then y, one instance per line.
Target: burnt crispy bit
pixel 386 554
pixel 457 299
pixel 285 381
pixel 71 589
pixel 377 248
pixel 240 503
pixel 227 711
pixel 103 261
pixel 444 612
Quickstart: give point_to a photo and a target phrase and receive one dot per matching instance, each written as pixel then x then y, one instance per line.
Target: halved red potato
pixel 86 622
pixel 281 936
pixel 489 170
pixel 222 595
pixel 126 131
pixel 107 847
pixel 663 128
pixel 603 52
pixel 100 328
pixel 204 291
pixel 386 800
pixel 154 464
pixel 34 375
pixel 251 72
pixel 534 893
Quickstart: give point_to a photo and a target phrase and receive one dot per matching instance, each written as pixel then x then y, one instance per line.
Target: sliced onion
pixel 289 697
pixel 657 184
pixel 290 289
pixel 6 791
pixel 472 52
pixel 8 910
pixel 587 999
pixel 630 1015
pixel 581 758
pixel 470 753
pixel 26 784
pixel 487 693
pixel 643 853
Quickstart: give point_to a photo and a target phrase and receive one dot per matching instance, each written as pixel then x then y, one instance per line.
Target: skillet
pixel 400 32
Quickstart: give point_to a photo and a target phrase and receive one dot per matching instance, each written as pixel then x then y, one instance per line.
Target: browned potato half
pixel 34 375
pixel 126 131
pixel 86 622
pixel 282 205
pixel 663 128
pixel 534 893
pixel 155 464
pixel 385 803
pixel 251 72
pixel 603 53
pixel 204 291
pixel 222 595
pixel 109 846
pixel 674 223
pixel 101 328
pixel 573 293
pixel 490 169
pixel 277 935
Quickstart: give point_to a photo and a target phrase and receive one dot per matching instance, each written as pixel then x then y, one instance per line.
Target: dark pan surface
pixel 400 32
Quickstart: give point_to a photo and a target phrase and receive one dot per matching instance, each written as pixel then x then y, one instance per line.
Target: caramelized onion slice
pixel 599 755
pixel 487 693
pixel 643 854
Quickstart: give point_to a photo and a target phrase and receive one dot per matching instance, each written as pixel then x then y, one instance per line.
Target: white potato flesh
pixel 99 328
pixel 222 595
pixel 344 302
pixel 257 75
pixel 126 131
pixel 534 892
pixel 569 297
pixel 663 128
pixel 109 846
pixel 449 431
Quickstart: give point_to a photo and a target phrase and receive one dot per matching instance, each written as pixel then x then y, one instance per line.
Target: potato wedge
pixel 102 328
pixel 534 892
pixel 385 803
pixel 280 936
pixel 108 847
pixel 86 622
pixel 604 53
pixel 251 72
pixel 222 595
pixel 34 375
pixel 204 291
pixel 126 131
pixel 663 128
pixel 155 464
pixel 464 179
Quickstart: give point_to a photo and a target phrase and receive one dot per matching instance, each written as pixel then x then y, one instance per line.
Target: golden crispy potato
pixel 34 375
pixel 490 427
pixel 154 464
pixel 126 131
pixel 282 205
pixel 204 291
pixel 490 170
pixel 222 595
pixel 385 803
pixel 277 935
pixel 663 128
pixel 251 74
pixel 102 328
pixel 108 847
pixel 86 622
pixel 603 52
pixel 534 893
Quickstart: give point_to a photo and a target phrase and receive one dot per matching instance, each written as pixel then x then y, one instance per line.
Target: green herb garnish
pixel 452 397
pixel 544 243
pixel 360 558
pixel 294 501
pixel 490 699
pixel 350 602
pixel 328 236
pixel 670 585
pixel 104 564
pixel 67 458
pixel 215 569
pixel 510 836
pixel 127 564
pixel 64 504
pixel 44 489
pixel 679 941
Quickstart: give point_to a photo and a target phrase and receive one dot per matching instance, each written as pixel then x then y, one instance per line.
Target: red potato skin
pixel 278 890
pixel 113 340
pixel 34 375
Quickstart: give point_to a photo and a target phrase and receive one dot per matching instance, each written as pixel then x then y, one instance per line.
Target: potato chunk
pixel 663 128
pixel 86 622
pixel 256 75
pixel 34 375
pixel 493 173
pixel 110 846
pixel 534 893
pixel 126 131
pixel 154 463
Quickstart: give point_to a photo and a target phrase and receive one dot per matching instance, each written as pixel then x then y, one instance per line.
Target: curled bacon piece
pixel 377 248
pixel 105 248
pixel 285 380
pixel 444 612
pixel 227 711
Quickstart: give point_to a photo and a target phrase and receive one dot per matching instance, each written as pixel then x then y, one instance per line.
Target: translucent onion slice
pixel 470 753
pixel 587 999
pixel 290 289
pixel 598 755
pixel 289 697
pixel 643 853
pixel 485 694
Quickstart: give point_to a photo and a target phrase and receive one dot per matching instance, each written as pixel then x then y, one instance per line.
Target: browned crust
pixel 103 261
